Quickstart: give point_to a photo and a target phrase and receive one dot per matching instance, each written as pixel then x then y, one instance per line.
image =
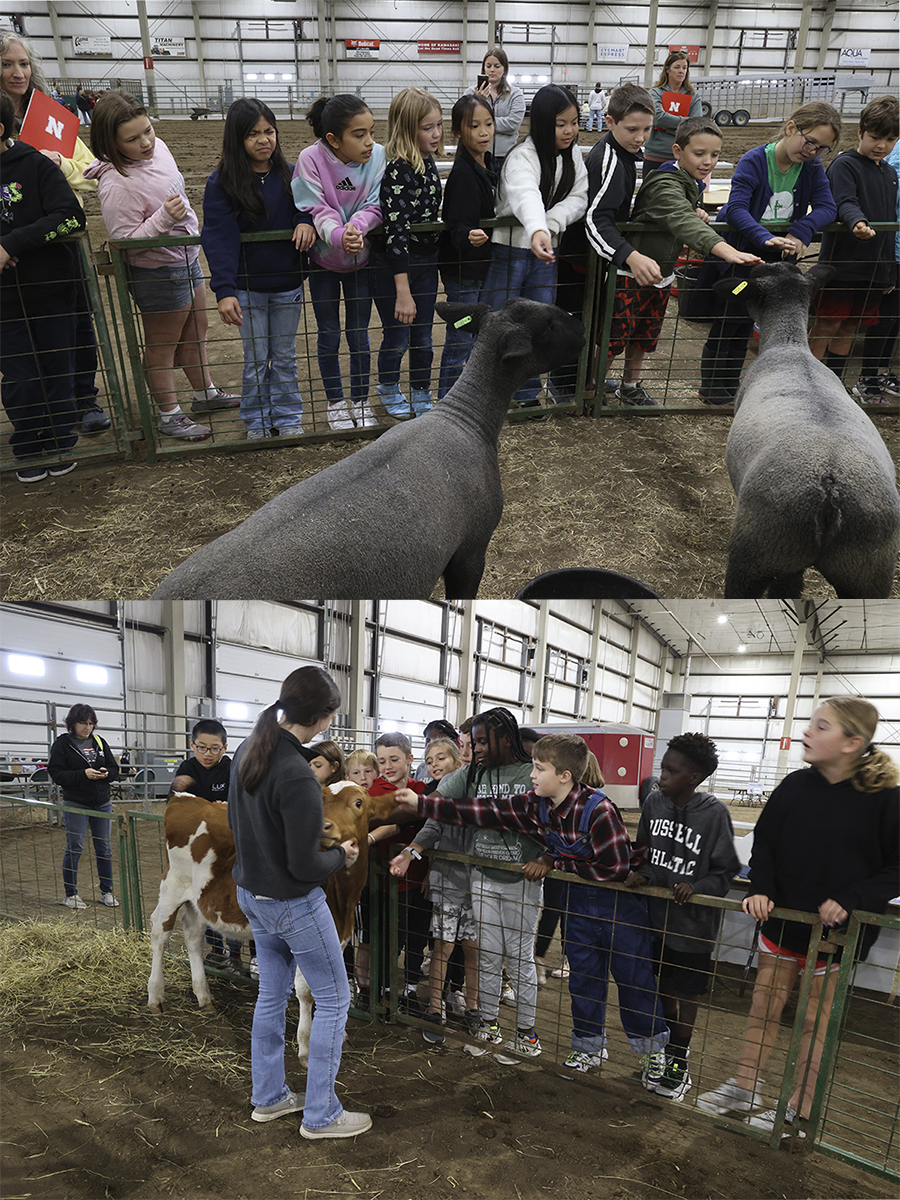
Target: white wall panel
pixel 269 626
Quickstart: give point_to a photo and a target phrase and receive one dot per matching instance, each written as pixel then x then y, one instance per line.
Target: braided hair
pixel 501 723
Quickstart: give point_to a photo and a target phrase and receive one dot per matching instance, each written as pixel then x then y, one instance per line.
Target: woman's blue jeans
pixel 76 828
pixel 325 289
pixel 423 281
pixel 515 271
pixel 288 934
pixel 458 343
pixel 270 395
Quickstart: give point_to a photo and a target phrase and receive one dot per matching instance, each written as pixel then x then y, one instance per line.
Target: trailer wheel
pixel 706 108
pixel 723 117
pixel 741 117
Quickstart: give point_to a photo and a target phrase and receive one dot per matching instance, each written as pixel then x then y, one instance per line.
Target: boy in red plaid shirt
pixel 606 930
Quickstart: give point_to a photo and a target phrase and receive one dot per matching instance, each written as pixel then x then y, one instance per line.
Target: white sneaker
pixel 766 1121
pixel 339 416
pixel 254 435
pixel 523 1043
pixel 730 1097
pixel 653 1067
pixel 254 968
pixel 291 431
pixel 348 1124
pixel 73 902
pixel 363 415
pixel 109 900
pixel 456 1003
pixel 508 995
pixel 181 426
pixel 581 1060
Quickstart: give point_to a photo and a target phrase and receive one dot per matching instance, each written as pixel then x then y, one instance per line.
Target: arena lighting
pixel 85 673
pixel 236 712
pixel 742 649
pixel 526 79
pixel 268 76
pixel 722 620
pixel 287 78
pixel 253 77
pixel 25 664
pixel 542 78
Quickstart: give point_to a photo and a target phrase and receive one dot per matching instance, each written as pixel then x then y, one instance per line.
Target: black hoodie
pixel 37 207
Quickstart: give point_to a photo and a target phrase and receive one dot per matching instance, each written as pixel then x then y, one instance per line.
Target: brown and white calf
pixel 199 884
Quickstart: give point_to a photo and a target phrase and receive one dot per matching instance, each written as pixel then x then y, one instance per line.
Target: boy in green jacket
pixel 668 199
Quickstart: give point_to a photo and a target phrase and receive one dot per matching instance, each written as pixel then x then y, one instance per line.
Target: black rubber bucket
pixel 586 583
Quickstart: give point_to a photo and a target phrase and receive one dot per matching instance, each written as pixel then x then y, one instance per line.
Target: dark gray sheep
pixel 419 502
pixel 816 486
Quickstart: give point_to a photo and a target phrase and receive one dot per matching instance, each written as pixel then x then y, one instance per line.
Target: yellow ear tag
pixel 740 287
pixel 464 321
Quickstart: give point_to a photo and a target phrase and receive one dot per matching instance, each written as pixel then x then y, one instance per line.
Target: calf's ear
pixel 471 315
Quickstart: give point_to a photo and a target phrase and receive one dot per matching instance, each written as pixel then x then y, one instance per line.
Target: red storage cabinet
pixel 624 752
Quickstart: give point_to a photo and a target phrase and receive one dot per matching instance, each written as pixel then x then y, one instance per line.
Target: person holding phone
pixel 83 765
pixel 507 103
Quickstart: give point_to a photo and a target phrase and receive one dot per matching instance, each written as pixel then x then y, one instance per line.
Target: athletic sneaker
pixel 92 417
pixel 109 900
pixel 339 416
pixel 348 1124
pixel 766 1120
pixel 455 1003
pixel 396 405
pixel 362 414
pixel 270 1112
pixel 868 389
pixel 487 1032
pixel 60 469
pixel 219 399
pixel 635 393
pixel 472 1021
pixel 611 385
pixel 652 1069
pixel 508 995
pixel 291 431
pixel 181 426
pixel 675 1082
pixel 890 384
pixel 31 474
pixel 581 1060
pixel 730 1097
pixel 523 1043
pixel 433 1036
pixel 74 902
pixel 254 435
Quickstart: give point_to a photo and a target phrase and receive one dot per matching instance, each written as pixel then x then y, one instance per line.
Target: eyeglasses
pixel 808 144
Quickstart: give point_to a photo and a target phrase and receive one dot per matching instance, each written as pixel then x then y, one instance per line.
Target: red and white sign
pixel 440 47
pixel 692 52
pixel 785 744
pixel 148 64
pixel 49 126
pixel 676 104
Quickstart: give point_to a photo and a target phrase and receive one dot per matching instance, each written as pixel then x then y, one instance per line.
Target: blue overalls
pixel 605 931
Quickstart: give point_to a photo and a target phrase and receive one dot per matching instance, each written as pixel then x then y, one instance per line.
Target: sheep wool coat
pixel 519 196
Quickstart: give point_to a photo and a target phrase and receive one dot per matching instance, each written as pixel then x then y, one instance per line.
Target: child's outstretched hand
pixel 175 207
pixel 230 311
pixel 682 892
pixel 477 237
pixel 351 239
pixel 633 879
pixel 730 255
pixel 542 246
pixel 304 236
pixel 407 797
pixel 863 231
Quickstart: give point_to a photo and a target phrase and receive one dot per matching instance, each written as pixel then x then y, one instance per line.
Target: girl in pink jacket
pixel 142 195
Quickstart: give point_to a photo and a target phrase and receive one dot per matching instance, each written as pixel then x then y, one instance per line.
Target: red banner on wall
pixel 785 744
pixel 440 47
pixel 692 52
pixel 148 64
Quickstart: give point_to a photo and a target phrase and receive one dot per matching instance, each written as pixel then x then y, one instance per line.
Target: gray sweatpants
pixel 507 916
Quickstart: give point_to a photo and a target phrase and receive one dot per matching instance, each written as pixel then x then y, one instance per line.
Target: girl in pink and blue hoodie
pixel 337 181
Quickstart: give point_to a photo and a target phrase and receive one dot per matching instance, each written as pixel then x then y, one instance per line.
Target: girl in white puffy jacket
pixel 544 185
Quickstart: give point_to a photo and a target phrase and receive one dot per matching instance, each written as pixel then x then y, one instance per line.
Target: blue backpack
pixel 556 843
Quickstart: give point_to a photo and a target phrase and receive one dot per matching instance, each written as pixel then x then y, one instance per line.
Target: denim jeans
pixel 270 395
pixel 423 281
pixel 608 931
pixel 288 934
pixel 76 827
pixel 517 272
pixel 458 343
pixel 325 292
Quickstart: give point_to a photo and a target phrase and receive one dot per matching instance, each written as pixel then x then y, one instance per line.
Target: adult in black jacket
pixel 827 842
pixel 275 811
pixel 83 765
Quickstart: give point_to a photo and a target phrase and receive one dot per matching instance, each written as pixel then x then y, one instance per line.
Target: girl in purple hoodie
pixel 142 195
pixel 337 181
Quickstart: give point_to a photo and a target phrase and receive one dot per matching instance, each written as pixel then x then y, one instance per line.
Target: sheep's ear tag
pixel 740 287
pixel 463 321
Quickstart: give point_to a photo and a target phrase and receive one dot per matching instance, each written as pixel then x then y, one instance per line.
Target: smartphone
pixel 482 80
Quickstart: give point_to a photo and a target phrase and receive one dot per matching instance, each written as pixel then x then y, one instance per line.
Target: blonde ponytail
pixel 874 770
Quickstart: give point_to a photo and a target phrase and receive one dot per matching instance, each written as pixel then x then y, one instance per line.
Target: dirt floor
pixel 647 497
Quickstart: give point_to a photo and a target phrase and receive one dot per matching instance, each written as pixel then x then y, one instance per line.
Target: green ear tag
pixel 740 287
pixel 464 321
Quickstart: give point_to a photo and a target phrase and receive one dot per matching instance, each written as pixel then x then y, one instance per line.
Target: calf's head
pixel 347 809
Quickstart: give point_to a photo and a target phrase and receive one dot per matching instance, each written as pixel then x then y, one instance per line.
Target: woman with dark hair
pixel 21 73
pixel 275 811
pixel 258 285
pixel 675 78
pixel 507 103
pixel 83 765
